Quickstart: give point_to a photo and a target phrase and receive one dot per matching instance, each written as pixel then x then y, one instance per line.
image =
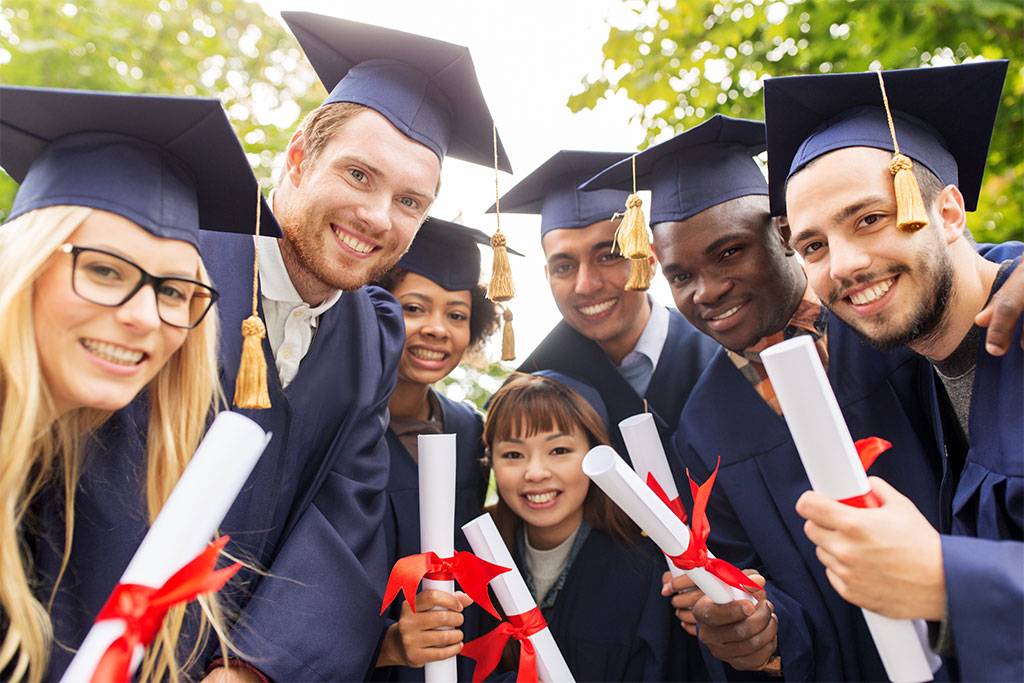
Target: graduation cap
pixel 941 117
pixel 426 88
pixel 697 169
pixel 447 253
pixel 172 165
pixel 551 191
pixel 587 392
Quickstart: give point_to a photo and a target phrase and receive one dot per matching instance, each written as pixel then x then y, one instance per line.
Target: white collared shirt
pixel 290 320
pixel 638 365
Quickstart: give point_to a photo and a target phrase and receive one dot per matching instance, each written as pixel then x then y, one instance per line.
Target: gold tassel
pixel 251 382
pixel 631 235
pixel 639 275
pixel 508 337
pixel 911 214
pixel 501 287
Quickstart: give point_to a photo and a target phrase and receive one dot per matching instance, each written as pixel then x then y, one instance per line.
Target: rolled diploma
pixel 185 524
pixel 648 456
pixel 604 466
pixel 514 596
pixel 437 524
pixel 834 469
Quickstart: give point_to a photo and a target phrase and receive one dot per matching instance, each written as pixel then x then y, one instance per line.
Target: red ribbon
pixel 472 573
pixel 675 505
pixel 142 608
pixel 867 450
pixel 696 553
pixel 870 448
pixel 487 649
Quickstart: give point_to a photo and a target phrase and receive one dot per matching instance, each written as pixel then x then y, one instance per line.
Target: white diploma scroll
pixel 835 470
pixel 648 456
pixel 437 524
pixel 185 525
pixel 514 596
pixel 604 466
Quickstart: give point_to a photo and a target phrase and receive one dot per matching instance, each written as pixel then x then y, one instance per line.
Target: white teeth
pixel 426 354
pixel 353 243
pixel 597 308
pixel 541 497
pixel 727 313
pixel 112 353
pixel 866 296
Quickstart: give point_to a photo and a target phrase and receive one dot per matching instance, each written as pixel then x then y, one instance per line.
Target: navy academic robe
pixel 612 623
pixel 402 523
pixel 683 358
pixel 983 523
pixel 310 513
pixel 752 507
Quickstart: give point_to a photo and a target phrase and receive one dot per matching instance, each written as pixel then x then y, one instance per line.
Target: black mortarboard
pixel 172 165
pixel 551 190
pixel 447 253
pixel 426 88
pixel 943 119
pixel 697 169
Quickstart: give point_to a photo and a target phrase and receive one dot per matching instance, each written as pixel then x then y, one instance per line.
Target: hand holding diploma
pixel 603 465
pixel 853 524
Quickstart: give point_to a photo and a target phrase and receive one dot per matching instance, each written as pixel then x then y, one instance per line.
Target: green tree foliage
pixel 684 61
pixel 228 49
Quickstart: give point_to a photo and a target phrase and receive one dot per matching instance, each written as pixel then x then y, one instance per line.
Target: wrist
pixel 389 648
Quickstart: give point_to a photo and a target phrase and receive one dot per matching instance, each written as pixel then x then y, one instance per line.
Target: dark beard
pixel 926 323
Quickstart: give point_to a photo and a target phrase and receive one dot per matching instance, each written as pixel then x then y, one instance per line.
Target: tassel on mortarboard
pixel 501 287
pixel 251 382
pixel 632 241
pixel 911 214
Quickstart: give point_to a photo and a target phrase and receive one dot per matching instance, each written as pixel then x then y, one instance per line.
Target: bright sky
pixel 530 55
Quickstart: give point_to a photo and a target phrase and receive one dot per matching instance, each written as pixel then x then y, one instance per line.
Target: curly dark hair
pixel 484 317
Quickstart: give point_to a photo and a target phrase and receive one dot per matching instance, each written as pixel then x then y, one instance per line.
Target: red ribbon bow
pixel 675 505
pixel 472 573
pixel 487 649
pixel 867 450
pixel 696 553
pixel 142 608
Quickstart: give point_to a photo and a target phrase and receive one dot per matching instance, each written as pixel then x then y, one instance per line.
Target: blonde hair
pixel 38 447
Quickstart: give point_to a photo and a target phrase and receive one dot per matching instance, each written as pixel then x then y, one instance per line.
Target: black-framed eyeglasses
pixel 107 279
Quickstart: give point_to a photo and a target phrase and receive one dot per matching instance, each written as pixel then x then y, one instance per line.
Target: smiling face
pixel 891 287
pixel 98 356
pixel 436 329
pixel 540 478
pixel 731 273
pixel 349 214
pixel 588 283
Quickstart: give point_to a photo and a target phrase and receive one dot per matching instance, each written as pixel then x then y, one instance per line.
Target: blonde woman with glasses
pixel 103 295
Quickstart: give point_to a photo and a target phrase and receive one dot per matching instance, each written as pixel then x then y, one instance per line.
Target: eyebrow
pixel 721 241
pixel 181 274
pixel 378 172
pixel 559 435
pixel 841 215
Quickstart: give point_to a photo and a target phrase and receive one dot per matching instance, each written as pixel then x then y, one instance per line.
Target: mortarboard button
pixel 427 88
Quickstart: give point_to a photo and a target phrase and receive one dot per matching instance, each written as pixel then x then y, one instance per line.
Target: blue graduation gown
pixel 682 359
pixel 983 522
pixel 612 623
pixel 752 507
pixel 320 486
pixel 402 523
